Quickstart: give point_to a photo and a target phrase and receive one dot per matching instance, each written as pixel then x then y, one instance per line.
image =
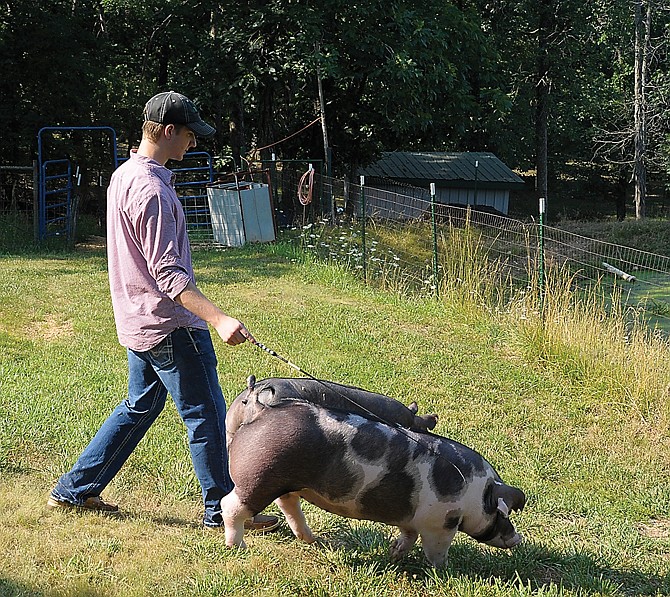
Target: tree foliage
pixel 431 75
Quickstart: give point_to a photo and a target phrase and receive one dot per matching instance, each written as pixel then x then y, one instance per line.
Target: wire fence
pixel 405 239
pixel 18 215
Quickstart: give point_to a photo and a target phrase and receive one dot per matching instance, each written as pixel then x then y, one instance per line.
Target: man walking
pixel 161 318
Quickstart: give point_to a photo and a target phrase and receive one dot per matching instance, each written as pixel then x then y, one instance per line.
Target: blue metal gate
pixel 56 185
pixel 55 199
pixel 193 176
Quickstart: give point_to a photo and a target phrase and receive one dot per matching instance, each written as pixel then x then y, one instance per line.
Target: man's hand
pixel 231 330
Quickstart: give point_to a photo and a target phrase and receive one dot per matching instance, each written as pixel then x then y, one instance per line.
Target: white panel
pixel 257 214
pixel 499 200
pixel 241 214
pixel 226 214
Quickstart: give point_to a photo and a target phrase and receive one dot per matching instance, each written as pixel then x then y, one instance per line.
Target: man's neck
pixel 151 150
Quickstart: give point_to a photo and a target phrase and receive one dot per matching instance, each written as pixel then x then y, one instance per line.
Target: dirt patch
pixel 655 529
pixel 51 329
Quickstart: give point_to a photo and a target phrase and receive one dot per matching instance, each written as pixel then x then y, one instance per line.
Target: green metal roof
pixel 445 169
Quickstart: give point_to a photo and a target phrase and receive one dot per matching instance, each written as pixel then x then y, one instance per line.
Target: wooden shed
pixel 478 179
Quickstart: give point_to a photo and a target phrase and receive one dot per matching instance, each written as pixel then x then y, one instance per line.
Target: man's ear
pixel 169 130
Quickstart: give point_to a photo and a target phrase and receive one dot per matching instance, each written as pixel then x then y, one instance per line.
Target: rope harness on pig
pixel 359 406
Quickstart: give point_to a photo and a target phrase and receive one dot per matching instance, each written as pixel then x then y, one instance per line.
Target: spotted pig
pixel 283 447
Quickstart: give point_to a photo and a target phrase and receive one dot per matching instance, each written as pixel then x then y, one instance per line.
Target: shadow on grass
pixel 536 566
pixel 212 266
pixel 530 565
pixel 10 588
pixel 238 266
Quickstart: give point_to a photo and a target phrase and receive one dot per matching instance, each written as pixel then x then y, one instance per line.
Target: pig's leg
pixel 234 514
pixel 289 504
pixel 436 545
pixel 403 544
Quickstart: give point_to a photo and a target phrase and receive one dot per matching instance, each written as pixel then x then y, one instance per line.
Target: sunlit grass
pixel 571 406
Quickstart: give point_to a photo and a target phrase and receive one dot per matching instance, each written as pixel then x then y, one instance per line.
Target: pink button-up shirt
pixel 148 253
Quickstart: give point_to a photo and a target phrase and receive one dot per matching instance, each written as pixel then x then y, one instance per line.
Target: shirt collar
pixel 165 174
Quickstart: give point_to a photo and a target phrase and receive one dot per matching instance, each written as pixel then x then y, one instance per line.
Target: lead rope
pixel 347 398
pixel 352 401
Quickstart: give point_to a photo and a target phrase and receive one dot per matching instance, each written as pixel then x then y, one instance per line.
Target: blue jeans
pixel 183 364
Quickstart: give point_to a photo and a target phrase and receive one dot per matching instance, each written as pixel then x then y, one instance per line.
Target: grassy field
pixel 575 412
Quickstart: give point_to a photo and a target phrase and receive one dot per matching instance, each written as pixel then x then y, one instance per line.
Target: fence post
pixel 363 212
pixel 476 181
pixel 36 202
pixel 541 255
pixel 434 225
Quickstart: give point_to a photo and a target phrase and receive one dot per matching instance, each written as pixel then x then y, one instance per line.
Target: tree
pixel 399 78
pixel 642 47
pixel 633 140
pixel 530 80
pixel 545 30
pixel 49 74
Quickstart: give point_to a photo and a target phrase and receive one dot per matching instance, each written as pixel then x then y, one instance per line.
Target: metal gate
pixel 57 185
pixel 58 182
pixel 55 199
pixel 192 177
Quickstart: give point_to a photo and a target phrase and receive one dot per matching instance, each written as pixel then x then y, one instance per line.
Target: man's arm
pixel 231 330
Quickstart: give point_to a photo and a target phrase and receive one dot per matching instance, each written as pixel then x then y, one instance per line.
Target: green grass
pixel 575 412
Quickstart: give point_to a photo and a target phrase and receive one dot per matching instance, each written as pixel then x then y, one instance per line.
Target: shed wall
pixel 497 199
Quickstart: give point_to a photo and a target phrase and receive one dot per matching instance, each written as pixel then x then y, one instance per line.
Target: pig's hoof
pixel 231 545
pixel 402 544
pixel 310 540
pixel 396 554
pixel 422 422
pixel 398 550
pixel 306 537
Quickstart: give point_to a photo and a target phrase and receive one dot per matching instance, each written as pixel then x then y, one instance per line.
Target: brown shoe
pixel 261 523
pixel 93 504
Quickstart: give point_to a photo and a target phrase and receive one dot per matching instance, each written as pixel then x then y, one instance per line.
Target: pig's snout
pixel 506 542
pixel 514 541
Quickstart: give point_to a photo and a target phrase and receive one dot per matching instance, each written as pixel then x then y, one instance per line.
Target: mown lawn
pixel 591 452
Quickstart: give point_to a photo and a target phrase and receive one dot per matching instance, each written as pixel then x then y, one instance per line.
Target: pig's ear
pixel 502 507
pixel 266 397
pixel 510 498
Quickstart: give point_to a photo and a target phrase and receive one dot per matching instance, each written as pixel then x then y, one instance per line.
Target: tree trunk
pixel 236 127
pixel 642 38
pixel 327 196
pixel 266 128
pixel 322 112
pixel 620 195
pixel 163 65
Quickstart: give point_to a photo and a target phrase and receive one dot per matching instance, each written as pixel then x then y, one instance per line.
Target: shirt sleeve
pixel 156 229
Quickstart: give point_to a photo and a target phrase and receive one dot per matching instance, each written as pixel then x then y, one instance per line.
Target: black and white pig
pixel 284 447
